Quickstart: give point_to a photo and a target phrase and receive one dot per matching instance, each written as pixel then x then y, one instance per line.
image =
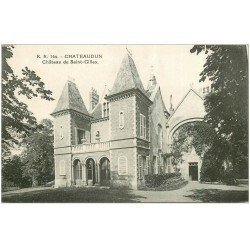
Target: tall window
pixel 61 132
pixel 105 109
pixel 160 136
pixel 121 120
pixel 142 126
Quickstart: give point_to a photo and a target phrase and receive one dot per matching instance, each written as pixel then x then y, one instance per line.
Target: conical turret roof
pixel 71 99
pixel 127 77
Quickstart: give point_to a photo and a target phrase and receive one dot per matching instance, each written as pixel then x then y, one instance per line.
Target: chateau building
pixel 123 136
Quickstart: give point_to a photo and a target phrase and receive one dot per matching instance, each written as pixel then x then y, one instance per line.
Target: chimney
pixel 93 99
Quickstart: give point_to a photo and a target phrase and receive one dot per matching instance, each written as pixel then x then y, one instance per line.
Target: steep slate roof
pixel 153 90
pixel 97 111
pixel 71 99
pixel 127 77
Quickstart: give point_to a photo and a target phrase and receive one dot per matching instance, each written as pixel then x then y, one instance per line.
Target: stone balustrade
pixel 91 147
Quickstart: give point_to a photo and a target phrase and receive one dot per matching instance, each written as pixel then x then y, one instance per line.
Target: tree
pixel 227 105
pixel 38 155
pixel 17 120
pixel 12 172
pixel 197 135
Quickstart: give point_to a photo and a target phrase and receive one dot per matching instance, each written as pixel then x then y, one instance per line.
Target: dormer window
pixel 105 109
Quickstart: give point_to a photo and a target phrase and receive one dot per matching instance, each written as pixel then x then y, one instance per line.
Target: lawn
pixel 192 192
pixel 73 194
pixel 217 195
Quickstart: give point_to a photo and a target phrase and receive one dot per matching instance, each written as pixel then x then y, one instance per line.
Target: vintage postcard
pixel 124 123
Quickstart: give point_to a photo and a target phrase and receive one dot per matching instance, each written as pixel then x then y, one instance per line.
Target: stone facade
pixel 123 138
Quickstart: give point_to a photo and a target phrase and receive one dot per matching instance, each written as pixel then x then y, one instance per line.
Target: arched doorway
pixel 90 167
pixel 77 168
pixel 104 171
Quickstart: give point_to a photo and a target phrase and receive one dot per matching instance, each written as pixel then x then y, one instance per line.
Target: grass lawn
pixel 193 192
pixel 73 194
pixel 217 195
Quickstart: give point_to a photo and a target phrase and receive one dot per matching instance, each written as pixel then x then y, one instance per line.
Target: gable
pixel 190 107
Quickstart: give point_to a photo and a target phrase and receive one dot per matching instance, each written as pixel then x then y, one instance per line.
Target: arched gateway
pixel 104 169
pixel 77 172
pixel 91 172
pixel 189 110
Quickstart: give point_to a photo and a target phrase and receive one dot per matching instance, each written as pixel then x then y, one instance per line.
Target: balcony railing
pixel 92 147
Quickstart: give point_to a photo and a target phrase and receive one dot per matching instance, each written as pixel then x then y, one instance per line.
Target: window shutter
pixel 157 165
pixel 122 166
pixel 147 166
pixel 140 166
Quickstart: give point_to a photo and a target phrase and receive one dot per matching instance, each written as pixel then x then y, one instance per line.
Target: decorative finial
pixel 71 79
pixel 152 70
pixel 129 51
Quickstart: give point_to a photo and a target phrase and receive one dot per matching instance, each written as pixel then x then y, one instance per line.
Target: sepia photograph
pixel 125 123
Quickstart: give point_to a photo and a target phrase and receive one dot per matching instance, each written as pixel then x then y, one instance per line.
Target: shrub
pixel 229 177
pixel 157 180
pixel 211 169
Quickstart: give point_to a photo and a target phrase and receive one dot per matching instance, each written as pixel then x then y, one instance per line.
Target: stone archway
pixel 90 172
pixel 77 172
pixel 175 127
pixel 190 163
pixel 104 171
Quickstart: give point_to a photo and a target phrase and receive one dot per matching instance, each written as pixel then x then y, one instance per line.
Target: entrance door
pixel 193 171
pixel 90 165
pixel 104 171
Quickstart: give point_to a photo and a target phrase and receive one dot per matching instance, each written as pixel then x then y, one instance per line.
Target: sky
pixel 175 68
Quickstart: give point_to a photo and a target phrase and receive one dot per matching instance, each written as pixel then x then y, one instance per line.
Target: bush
pixel 229 178
pixel 211 169
pixel 157 180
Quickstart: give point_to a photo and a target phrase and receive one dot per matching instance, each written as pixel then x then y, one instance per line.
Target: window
pixel 142 126
pixel 105 109
pixel 160 136
pixel 61 132
pixel 80 136
pixel 62 167
pixel 121 120
pixel 122 165
pixel 90 172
